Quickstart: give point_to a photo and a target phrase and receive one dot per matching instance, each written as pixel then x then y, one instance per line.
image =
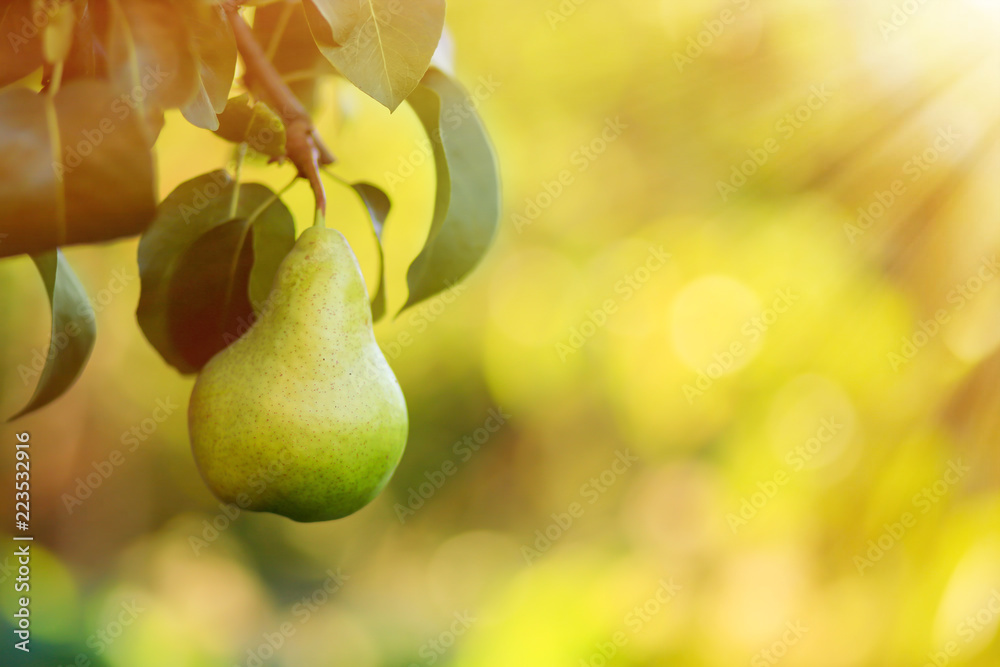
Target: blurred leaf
pixel 377 202
pixel 149 52
pixel 82 61
pixel 101 150
pixel 199 111
pixel 73 330
pixel 58 35
pixel 22 51
pixel 467 206
pixel 382 46
pixel 257 125
pixel 294 55
pixel 378 205
pixel 171 272
pixel 444 54
pixel 213 42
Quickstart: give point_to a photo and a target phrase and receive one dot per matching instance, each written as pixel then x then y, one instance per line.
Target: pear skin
pixel 302 416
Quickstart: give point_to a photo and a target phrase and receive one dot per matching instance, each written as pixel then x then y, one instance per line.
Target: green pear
pixel 302 415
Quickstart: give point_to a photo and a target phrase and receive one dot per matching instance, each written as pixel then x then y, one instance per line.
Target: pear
pixel 302 415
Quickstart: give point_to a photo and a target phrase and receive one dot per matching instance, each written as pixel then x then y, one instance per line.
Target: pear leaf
pixel 381 46
pixel 189 213
pixel 208 299
pixel 215 47
pixel 49 202
pixel 282 30
pixel 273 238
pixel 73 331
pixel 58 35
pixel 378 205
pixel 467 205
pixel 22 50
pixel 149 50
pixel 82 61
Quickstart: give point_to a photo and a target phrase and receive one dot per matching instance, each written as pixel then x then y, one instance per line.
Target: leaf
pixel 58 34
pixel 199 111
pixel 213 43
pixel 73 331
pixel 171 272
pixel 21 53
pixel 467 205
pixel 444 55
pixel 382 46
pixel 88 180
pixel 208 300
pixel 295 52
pixel 82 60
pixel 149 52
pixel 378 205
pixel 255 124
pixel 273 238
pixel 377 202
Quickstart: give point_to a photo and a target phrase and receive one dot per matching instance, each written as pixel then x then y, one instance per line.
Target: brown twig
pixel 303 144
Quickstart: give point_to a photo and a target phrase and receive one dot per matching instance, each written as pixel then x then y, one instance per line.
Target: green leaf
pixel 171 272
pixel 207 300
pixel 73 331
pixel 294 55
pixel 273 238
pixel 149 52
pixel 73 169
pixel 467 206
pixel 378 205
pixel 253 123
pixel 21 53
pixel 213 43
pixel 382 46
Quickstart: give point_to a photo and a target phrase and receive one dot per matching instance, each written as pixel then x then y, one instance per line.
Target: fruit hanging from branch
pixel 304 390
pixel 302 415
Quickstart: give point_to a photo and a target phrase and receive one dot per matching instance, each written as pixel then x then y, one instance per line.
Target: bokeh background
pixel 725 392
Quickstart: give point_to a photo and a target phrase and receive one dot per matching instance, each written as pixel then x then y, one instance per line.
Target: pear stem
pixel 320 219
pixel 304 147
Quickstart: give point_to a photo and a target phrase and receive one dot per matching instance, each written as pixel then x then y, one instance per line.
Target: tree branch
pixel 303 144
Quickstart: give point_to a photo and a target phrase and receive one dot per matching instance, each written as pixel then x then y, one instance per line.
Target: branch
pixel 303 144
